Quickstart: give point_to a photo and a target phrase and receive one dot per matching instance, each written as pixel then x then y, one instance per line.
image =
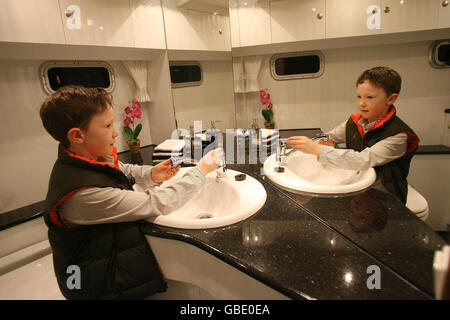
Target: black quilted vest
pixel 393 174
pixel 115 260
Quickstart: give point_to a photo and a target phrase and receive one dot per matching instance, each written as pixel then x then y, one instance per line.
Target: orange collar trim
pixel 413 142
pixel 113 154
pixel 357 116
pixel 385 118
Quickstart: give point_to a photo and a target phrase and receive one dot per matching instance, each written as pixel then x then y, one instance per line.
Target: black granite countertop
pixel 433 149
pixel 382 226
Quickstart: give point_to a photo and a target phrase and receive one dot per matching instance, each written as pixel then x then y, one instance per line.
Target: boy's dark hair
pixel 383 77
pixel 72 107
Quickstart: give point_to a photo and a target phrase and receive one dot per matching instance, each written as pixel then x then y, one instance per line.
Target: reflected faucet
pixel 254 124
pixel 321 136
pixel 213 124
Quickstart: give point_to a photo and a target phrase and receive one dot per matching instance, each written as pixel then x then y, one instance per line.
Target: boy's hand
pixel 328 142
pixel 164 171
pixel 304 144
pixel 211 161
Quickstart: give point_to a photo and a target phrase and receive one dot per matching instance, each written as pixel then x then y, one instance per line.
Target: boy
pixel 375 137
pixel 91 209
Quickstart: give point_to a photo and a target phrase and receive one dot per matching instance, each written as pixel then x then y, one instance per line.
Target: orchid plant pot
pixel 269 125
pixel 135 150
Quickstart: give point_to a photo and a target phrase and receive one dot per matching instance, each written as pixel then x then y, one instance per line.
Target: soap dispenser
pixel 213 126
pixel 255 124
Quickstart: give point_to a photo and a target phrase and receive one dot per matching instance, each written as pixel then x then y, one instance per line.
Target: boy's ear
pixel 392 98
pixel 75 136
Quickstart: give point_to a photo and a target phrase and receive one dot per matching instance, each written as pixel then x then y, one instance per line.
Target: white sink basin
pixel 302 172
pixel 216 204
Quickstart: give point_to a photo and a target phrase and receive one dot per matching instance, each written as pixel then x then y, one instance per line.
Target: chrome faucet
pixel 221 170
pixel 282 154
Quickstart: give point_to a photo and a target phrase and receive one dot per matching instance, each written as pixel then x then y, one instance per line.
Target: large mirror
pixel 199 51
pixel 342 39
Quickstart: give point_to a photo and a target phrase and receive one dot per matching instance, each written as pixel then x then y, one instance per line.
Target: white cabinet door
pixel 225 33
pixel 148 24
pixel 346 18
pixel 254 22
pixel 444 13
pixel 31 21
pixel 408 15
pixel 234 24
pixel 293 20
pixel 208 28
pixel 194 30
pixel 99 22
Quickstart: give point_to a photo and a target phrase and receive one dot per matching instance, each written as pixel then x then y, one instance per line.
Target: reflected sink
pixel 302 172
pixel 216 204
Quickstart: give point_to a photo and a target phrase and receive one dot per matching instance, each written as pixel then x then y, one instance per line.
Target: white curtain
pixel 138 71
pixel 238 74
pixel 252 67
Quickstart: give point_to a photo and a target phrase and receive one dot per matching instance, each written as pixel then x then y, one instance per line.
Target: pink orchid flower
pixel 265 97
pixel 136 114
pixel 127 121
pixel 131 126
pixel 136 105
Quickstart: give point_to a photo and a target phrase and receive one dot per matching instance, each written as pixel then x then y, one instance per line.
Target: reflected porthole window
pixel 185 74
pixel 297 65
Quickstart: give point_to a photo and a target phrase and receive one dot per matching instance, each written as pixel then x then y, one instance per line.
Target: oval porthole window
pixel 90 74
pixel 185 74
pixel 297 65
pixel 439 54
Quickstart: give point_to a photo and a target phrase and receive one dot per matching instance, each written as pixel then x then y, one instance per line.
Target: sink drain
pixel 205 216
